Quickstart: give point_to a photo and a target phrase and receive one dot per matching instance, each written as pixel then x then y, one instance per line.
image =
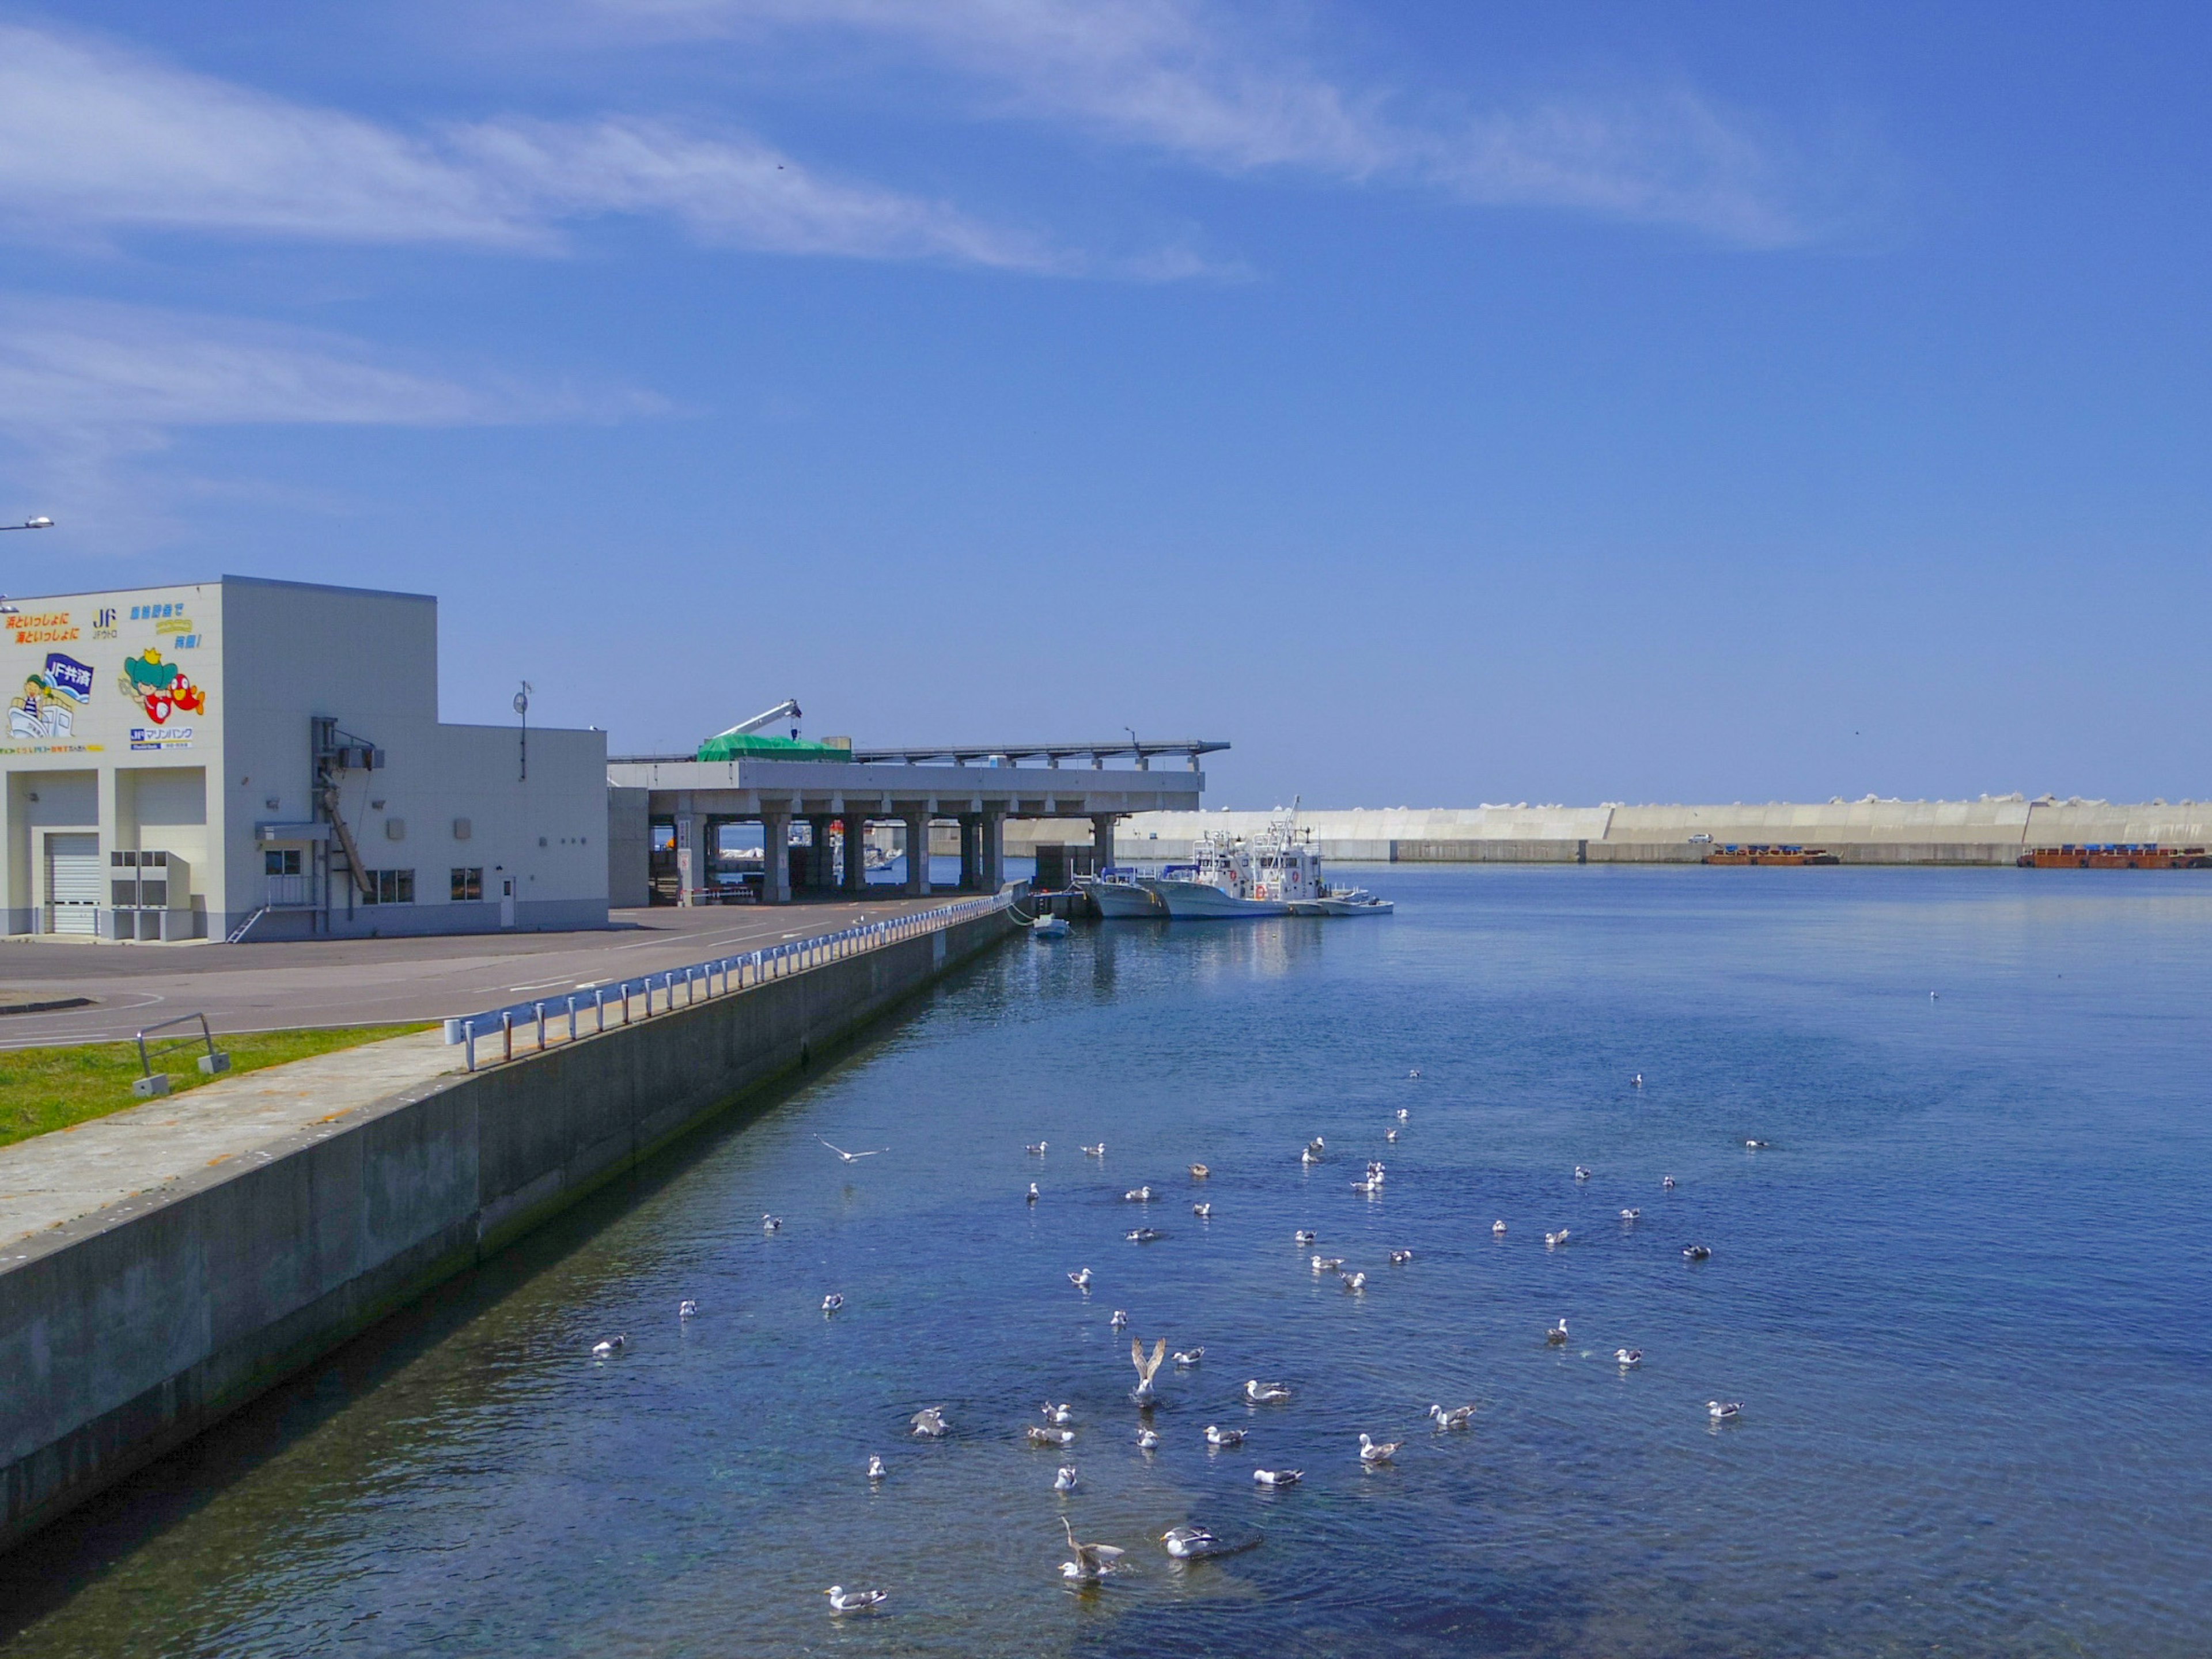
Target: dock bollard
pixel 469 1037
pixel 507 1034
pixel 572 1018
pixel 541 1028
pixel 625 1002
pixel 600 1006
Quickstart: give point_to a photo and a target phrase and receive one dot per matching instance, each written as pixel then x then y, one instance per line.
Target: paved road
pixel 276 987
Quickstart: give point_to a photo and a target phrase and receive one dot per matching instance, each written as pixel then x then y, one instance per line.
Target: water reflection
pixel 1948 1441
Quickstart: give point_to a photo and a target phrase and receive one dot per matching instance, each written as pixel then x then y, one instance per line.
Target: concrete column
pixel 917 855
pixel 993 836
pixel 821 861
pixel 776 857
pixel 856 852
pixel 1102 838
pixel 971 862
pixel 112 798
pixel 14 865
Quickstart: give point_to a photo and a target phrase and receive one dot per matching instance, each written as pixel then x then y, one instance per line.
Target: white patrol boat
pixel 1267 877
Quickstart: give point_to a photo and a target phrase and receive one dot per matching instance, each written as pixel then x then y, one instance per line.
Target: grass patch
pixel 42 1089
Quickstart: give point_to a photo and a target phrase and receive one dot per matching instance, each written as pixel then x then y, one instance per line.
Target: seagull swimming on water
pixel 1185 1542
pixel 1353 1281
pixel 1033 1192
pixel 876 1469
pixel 610 1346
pixel 1218 1437
pixel 1139 1195
pixel 1390 1135
pixel 1188 1357
pixel 1120 1318
pixel 1552 1241
pixel 1696 1253
pixel 1666 1183
pixel 687 1309
pixel 854 1158
pixel 1580 1174
pixel 1308 1156
pixel 1199 1172
pixel 1724 1411
pixel 1498 1229
pixel 1257 1393
pixel 1628 1359
pixel 1143 1235
pixel 1303 1235
pixel 1404 1117
pixel 832 1302
pixel 1148 1439
pixel 1372 1452
pixel 1203 1211
pixel 1063 1415
pixel 1279 1477
pixel 859 1600
pixel 1042 1437
pixel 1400 1258
pixel 1146 1365
pixel 1458 1417
pixel 1754 1145
pixel 1091 1560
pixel 771 1224
pixel 929 1423
pixel 1557 1335
pixel 1636 1082
pixel 1326 1264
pixel 1631 1215
pixel 1065 1479
pixel 1099 1150
pixel 1080 1278
pixel 1036 1150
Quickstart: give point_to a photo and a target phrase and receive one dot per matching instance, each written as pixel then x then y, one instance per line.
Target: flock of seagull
pixel 1088 1563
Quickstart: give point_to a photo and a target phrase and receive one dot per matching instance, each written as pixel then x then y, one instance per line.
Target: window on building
pixel 284 862
pixel 468 884
pixel 391 887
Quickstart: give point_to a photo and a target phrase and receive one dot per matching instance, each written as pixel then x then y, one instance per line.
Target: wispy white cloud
pixel 96 140
pixel 1188 79
pixel 73 366
pixel 88 391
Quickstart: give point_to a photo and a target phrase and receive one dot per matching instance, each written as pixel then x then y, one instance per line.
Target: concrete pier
pixel 162 1267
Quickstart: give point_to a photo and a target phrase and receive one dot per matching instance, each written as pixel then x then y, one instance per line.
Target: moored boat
pixel 1118 895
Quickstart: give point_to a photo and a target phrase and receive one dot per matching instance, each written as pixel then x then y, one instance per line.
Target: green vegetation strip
pixel 42 1089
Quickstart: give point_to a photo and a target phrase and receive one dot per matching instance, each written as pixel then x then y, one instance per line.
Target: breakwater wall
pixel 127 1330
pixel 1993 829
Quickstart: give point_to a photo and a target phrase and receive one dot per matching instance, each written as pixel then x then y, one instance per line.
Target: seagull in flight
pixel 854 1158
pixel 1147 1365
pixel 1091 1560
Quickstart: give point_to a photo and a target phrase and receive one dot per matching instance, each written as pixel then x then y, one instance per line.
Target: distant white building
pixel 182 759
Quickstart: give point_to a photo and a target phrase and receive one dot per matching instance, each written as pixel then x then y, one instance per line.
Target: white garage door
pixel 73 883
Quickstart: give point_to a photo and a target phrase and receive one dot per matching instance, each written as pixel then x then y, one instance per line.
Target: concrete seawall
pixel 1994 829
pixel 128 1329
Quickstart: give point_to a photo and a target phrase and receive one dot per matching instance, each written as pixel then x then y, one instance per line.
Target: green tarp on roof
pixel 756 747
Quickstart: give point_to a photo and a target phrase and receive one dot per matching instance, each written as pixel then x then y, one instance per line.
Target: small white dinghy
pixel 1048 927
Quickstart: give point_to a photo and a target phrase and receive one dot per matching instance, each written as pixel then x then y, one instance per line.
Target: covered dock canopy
pixel 897 786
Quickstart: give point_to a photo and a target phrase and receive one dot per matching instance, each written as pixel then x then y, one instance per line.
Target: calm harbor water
pixel 1962 1294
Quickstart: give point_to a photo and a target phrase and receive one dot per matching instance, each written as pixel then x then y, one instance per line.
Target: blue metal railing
pixel 587 1013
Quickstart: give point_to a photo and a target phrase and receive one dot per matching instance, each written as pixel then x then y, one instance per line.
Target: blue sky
pixel 1443 403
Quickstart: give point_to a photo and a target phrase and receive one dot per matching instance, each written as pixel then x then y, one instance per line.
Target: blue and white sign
pixel 68 674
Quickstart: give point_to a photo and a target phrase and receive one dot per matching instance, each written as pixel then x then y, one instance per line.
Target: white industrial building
pixel 189 761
